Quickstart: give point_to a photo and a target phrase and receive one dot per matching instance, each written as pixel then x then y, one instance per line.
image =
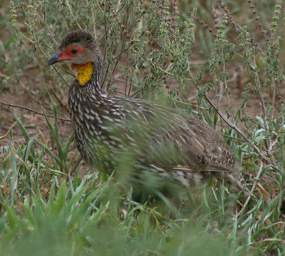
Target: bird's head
pixel 79 49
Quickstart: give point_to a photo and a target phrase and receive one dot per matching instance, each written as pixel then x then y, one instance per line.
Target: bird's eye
pixel 73 51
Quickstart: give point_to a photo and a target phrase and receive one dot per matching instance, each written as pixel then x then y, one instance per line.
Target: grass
pixel 232 51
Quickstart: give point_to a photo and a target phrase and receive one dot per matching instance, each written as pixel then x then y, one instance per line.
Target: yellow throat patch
pixel 83 72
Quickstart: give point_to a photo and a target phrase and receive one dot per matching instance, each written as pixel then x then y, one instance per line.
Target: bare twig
pixel 10 128
pixel 32 111
pixel 234 127
pixel 257 177
pixel 74 168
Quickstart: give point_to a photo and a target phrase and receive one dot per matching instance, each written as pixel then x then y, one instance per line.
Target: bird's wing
pixel 179 141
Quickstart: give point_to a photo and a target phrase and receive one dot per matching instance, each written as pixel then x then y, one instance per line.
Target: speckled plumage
pixel 166 143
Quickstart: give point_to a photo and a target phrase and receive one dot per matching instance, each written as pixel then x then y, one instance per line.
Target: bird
pixel 164 142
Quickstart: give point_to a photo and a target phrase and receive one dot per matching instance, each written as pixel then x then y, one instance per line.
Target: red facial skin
pixel 70 52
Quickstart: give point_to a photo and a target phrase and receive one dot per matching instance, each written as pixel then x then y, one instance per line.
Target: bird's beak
pixel 58 57
pixel 54 59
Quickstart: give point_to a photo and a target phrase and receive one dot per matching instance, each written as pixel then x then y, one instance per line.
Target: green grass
pixel 234 53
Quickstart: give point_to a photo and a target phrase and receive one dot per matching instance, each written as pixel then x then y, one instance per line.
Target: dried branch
pixel 9 105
